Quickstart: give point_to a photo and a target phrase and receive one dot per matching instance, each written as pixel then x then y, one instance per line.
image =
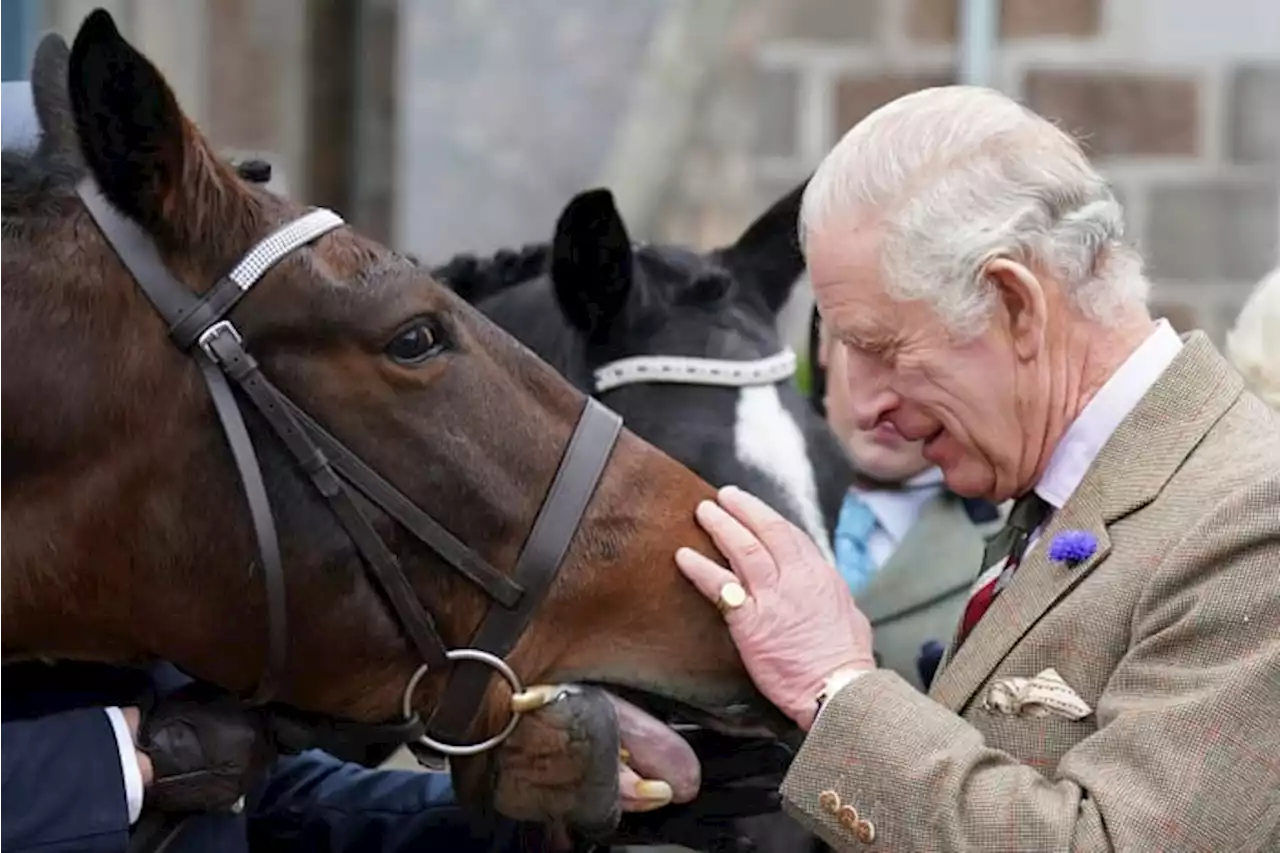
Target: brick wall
pixel 1191 142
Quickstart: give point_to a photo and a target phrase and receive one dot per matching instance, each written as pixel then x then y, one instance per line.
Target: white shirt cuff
pixel 128 763
pixel 837 684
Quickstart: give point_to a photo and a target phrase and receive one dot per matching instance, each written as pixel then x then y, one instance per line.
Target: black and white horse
pixel 684 345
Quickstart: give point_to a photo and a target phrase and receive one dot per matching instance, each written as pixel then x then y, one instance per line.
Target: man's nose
pixel 870 409
pixel 870 396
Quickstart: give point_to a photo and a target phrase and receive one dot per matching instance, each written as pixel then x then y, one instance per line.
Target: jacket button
pixel 848 817
pixel 830 801
pixel 866 831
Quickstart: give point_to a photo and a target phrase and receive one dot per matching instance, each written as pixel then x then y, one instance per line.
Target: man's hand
pixel 199 750
pixel 133 718
pixel 799 625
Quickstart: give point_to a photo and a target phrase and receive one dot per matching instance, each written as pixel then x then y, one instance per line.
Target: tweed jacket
pixel 920 592
pixel 1169 632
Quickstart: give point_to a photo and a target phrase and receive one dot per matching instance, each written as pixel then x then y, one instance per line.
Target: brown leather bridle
pixel 200 327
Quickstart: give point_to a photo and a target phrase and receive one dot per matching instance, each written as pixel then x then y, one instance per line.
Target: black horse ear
pixel 144 154
pixel 591 263
pixel 767 257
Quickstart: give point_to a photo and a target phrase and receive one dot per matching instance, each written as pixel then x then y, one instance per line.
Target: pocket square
pixel 1044 694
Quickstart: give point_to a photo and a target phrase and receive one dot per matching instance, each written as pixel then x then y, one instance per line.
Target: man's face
pixel 881 452
pixel 972 406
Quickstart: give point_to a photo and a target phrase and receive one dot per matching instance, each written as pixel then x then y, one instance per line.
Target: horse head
pixel 684 345
pixel 128 536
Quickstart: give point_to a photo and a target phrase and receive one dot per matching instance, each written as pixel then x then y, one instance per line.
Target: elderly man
pixel 1114 683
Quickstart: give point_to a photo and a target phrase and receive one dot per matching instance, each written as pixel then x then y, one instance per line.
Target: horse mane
pixel 29 178
pixel 31 181
pixel 474 278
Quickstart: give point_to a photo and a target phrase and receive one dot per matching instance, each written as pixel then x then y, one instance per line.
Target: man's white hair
pixel 1253 344
pixel 958 175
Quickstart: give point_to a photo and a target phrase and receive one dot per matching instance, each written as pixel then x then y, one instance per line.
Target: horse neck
pixel 98 438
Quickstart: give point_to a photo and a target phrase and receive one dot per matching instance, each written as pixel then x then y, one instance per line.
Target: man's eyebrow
pixel 864 339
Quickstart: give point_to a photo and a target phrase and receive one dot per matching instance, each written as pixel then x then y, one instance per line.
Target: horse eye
pixel 415 344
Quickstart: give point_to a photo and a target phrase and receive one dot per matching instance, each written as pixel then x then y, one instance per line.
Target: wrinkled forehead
pixel 846 273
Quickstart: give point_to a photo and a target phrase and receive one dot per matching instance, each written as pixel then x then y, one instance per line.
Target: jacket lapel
pixel 1037 585
pixel 928 565
pixel 1135 463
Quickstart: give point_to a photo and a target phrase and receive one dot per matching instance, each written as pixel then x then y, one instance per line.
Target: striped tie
pixel 853 529
pixel 1011 542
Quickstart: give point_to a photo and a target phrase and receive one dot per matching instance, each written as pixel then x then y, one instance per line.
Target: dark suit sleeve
pixel 313 801
pixel 63 785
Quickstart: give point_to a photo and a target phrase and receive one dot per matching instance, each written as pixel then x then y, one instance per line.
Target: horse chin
pixel 562 763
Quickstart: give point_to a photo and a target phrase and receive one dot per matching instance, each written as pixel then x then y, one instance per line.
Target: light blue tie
pixel 853 529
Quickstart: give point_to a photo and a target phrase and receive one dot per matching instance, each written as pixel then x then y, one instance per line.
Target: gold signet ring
pixel 732 596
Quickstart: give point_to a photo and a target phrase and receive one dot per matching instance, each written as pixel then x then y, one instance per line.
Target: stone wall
pixel 1182 114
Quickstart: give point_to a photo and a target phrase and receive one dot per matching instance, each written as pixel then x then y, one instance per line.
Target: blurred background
pixel 442 126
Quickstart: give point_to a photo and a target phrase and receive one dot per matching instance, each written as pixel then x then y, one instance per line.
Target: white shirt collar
pixel 896 511
pixel 1114 401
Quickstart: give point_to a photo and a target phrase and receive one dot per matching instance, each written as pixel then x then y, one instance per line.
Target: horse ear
pixel 591 263
pixel 146 157
pixel 52 101
pixel 767 257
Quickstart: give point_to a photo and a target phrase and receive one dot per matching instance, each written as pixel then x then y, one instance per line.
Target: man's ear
pixel 1022 294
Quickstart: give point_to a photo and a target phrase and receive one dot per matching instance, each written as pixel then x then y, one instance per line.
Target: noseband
pixel 199 326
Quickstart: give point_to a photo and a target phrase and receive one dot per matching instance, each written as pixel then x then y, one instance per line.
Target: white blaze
pixel 767 438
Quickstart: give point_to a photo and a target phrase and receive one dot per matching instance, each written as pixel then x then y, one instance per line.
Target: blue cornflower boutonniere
pixel 1072 546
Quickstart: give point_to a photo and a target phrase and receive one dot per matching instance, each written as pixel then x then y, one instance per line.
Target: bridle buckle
pixel 209 335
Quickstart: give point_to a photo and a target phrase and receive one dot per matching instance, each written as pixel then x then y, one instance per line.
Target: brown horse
pixel 127 537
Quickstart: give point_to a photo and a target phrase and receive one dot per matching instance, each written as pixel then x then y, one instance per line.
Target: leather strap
pixel 211 308
pixel 174 302
pixel 447 546
pixel 255 490
pixel 383 566
pixel 581 467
